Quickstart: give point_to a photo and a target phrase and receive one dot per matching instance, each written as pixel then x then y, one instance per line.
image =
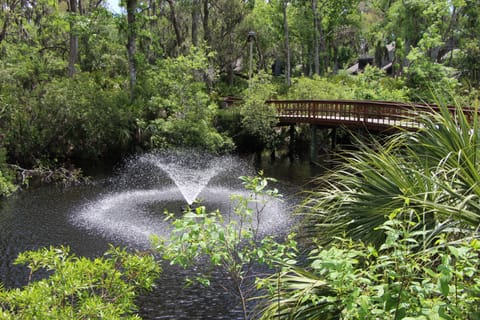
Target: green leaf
pixel 443 283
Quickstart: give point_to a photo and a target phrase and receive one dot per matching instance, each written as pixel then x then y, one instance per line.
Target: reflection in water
pixel 125 210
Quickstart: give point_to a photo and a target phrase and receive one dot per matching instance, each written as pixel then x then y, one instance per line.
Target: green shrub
pixel 259 118
pixel 67 118
pixel 399 280
pixel 371 84
pixel 165 134
pixel 233 245
pixel 79 288
pixel 320 88
pixel 6 186
pixel 374 84
pixel 178 110
pixel 428 80
pixel 6 180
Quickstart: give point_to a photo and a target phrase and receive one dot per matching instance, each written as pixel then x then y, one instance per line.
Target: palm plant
pixel 297 284
pixel 434 171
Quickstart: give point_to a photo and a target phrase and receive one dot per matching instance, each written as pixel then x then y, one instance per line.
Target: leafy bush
pixel 79 288
pixel 427 80
pixel 6 186
pixel 234 246
pixel 259 118
pixel 179 112
pixel 67 118
pixel 399 280
pixel 319 88
pixel 165 134
pixel 372 84
pixel 6 181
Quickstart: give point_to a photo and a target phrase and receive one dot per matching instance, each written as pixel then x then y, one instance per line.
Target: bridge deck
pixel 373 115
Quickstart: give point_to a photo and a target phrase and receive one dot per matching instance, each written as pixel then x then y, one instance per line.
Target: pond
pixel 125 207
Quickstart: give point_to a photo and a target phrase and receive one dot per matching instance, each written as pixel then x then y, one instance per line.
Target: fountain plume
pixel 152 183
pixel 190 172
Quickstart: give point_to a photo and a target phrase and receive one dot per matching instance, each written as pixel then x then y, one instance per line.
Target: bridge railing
pixel 352 113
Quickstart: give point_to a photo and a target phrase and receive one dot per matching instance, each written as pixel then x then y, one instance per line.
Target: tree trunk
pixel 131 43
pixel 3 32
pixel 287 43
pixel 316 54
pixel 80 7
pixel 206 28
pixel 153 25
pixel 173 17
pixel 449 37
pixel 336 66
pixel 73 55
pixel 196 12
pixel 323 48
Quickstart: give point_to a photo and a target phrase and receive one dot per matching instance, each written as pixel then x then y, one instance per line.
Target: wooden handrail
pixel 379 115
pixel 376 115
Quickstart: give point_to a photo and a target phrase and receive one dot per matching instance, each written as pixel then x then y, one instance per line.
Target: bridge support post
pixel 334 138
pixel 291 145
pixel 313 143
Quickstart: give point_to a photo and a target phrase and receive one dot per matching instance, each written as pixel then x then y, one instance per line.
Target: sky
pixel 113 6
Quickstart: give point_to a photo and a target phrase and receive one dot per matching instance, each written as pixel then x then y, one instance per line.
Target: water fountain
pixel 152 183
pixel 190 173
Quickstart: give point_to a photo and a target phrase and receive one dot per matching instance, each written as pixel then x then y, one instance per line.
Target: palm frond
pixel 434 171
pixel 299 295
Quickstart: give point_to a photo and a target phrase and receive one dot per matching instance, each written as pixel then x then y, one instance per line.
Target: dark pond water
pixel 124 208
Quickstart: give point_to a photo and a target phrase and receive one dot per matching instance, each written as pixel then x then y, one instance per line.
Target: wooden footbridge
pixel 370 115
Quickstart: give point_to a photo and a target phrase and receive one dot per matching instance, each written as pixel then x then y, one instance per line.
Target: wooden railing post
pixel 313 143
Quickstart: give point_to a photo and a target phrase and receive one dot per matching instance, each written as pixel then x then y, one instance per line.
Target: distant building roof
pixel 353 69
pixel 390 47
pixel 387 66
